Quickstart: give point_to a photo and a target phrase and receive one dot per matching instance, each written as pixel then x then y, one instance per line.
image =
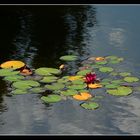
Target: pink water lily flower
pixel 90 78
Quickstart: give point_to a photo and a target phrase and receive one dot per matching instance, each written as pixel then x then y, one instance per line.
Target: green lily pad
pixel 25 84
pixel 8 72
pixel 131 79
pixel 124 74
pixel 111 57
pixel 114 62
pixel 84 72
pixel 47 71
pixel 13 78
pixel 120 91
pixel 95 66
pixel 37 90
pixel 19 91
pixel 49 79
pixel 69 57
pixel 69 92
pixel 77 82
pixel 90 105
pixel 117 81
pixel 113 73
pixel 55 86
pixel 51 98
pixel 112 86
pixel 105 69
pixel 77 87
pixel 101 62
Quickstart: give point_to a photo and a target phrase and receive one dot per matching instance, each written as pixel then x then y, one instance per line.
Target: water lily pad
pixel 69 58
pixel 49 79
pixel 69 92
pixel 13 78
pixel 117 81
pixel 101 62
pixel 37 90
pixel 114 62
pixel 51 98
pixel 25 84
pixel 47 71
pixel 19 91
pixel 105 69
pixel 55 86
pixel 112 86
pixel 75 77
pixel 84 72
pixel 78 82
pixel 124 74
pixel 77 87
pixel 131 79
pixel 111 57
pixel 120 91
pixel 113 74
pixel 12 64
pixel 8 72
pixel 90 105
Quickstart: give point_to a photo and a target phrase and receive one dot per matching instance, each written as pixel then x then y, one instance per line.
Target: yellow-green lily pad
pixel 105 69
pixel 51 98
pixel 8 72
pixel 124 74
pixel 25 84
pixel 90 105
pixel 55 86
pixel 120 91
pixel 131 79
pixel 19 91
pixel 13 78
pixel 69 57
pixel 84 72
pixel 49 79
pixel 69 92
pixel 47 71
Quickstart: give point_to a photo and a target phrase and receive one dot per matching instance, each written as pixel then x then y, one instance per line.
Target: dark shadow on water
pixel 39 35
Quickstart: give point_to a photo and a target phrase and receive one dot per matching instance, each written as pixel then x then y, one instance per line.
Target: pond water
pixel 39 35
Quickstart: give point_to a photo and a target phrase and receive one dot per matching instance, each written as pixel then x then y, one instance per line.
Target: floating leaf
pixel 69 58
pixel 49 79
pixel 84 72
pixel 131 79
pixel 51 98
pixel 113 73
pixel 25 84
pixel 76 77
pixel 124 74
pixel 112 57
pixel 77 82
pixel 120 91
pixel 94 85
pixel 82 96
pixel 117 81
pixel 77 87
pixel 19 91
pixel 105 69
pixel 55 86
pixel 13 78
pixel 37 90
pixel 12 64
pixel 112 86
pixel 69 92
pixel 101 62
pixel 47 71
pixel 90 105
pixel 8 72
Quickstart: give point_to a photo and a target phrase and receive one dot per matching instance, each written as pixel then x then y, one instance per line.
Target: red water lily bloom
pixel 90 78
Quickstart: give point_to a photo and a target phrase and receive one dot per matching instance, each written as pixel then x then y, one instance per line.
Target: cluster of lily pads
pixel 54 86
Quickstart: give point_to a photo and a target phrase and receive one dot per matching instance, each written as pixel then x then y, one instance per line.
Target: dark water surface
pixel 39 35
